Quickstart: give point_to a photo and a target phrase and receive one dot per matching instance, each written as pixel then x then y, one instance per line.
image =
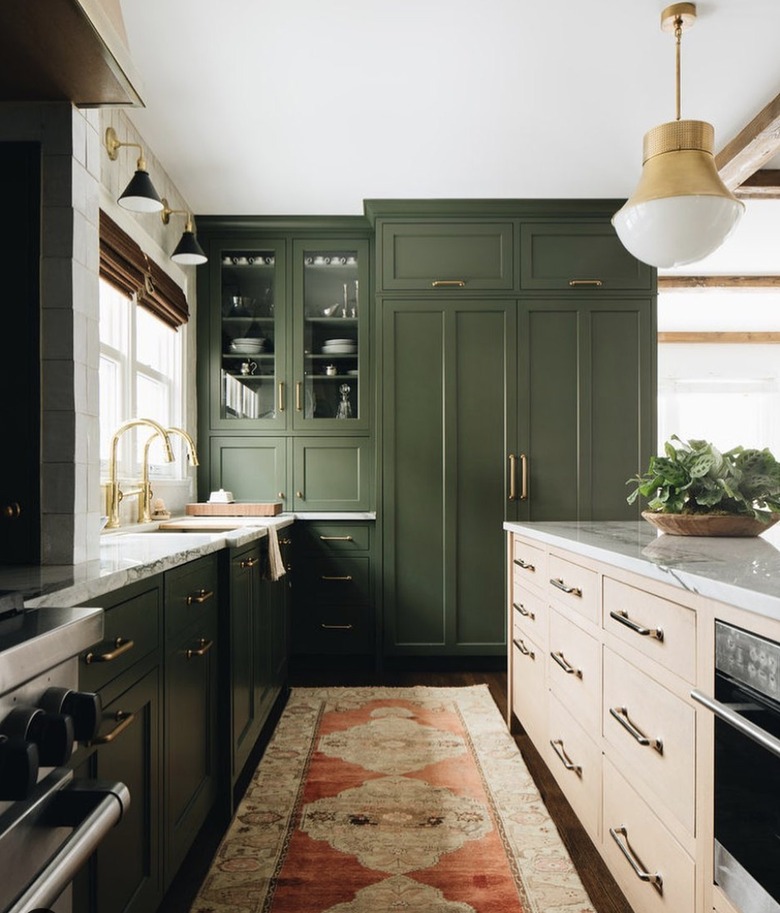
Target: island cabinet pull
pixel 121 646
pixel 248 562
pixel 524 565
pixel 595 282
pixel 557 747
pixel 655 879
pixel 622 617
pixel 123 719
pixel 336 539
pixel 346 578
pixel 559 584
pixel 281 396
pixel 520 644
pixel 449 283
pixel 621 715
pixel 566 666
pixel 202 649
pixel 526 613
pixel 328 627
pixel 199 596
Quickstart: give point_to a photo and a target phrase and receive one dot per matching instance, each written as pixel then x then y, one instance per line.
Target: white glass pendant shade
pixel 681 211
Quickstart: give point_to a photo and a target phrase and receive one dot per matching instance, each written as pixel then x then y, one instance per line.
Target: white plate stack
pixel 339 347
pixel 247 346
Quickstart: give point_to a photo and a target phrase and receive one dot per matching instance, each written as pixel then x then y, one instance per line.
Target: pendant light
pixel 681 210
pixel 139 195
pixel 187 252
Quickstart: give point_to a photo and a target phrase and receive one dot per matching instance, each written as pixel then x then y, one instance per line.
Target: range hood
pixel 66 50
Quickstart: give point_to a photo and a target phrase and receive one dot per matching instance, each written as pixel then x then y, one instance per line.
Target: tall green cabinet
pixel 517 363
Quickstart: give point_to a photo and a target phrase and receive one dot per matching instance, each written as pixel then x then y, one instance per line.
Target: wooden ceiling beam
pixel 763 185
pixel 751 148
pixel 742 283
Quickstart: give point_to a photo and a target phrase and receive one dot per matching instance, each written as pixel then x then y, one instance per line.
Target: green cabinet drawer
pixel 190 592
pixel 335 580
pixel 447 255
pixel 578 256
pixel 335 628
pixel 334 537
pixel 131 631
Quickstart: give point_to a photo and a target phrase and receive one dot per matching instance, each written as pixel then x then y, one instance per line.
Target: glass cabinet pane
pixel 331 341
pixel 249 366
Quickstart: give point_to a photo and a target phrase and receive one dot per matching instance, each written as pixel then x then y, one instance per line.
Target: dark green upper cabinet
pixel 578 256
pixel 449 255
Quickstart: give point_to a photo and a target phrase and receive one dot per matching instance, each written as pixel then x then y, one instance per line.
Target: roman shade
pixel 124 264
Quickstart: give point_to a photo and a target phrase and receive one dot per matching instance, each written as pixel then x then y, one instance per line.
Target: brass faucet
pixel 145 492
pixel 113 492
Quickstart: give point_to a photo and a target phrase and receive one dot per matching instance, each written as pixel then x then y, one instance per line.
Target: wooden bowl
pixel 708 524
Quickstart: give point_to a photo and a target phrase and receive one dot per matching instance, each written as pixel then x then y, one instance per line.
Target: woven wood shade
pixel 126 266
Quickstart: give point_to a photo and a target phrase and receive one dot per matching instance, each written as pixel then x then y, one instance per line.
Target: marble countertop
pixel 741 572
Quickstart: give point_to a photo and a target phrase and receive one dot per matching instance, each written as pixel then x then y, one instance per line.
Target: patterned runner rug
pixel 392 800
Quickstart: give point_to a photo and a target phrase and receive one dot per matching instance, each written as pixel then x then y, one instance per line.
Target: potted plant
pixel 696 490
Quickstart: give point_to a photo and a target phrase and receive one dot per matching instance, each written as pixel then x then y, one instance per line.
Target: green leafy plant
pixel 694 477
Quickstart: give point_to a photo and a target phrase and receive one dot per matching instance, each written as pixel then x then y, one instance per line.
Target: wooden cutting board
pixel 234 509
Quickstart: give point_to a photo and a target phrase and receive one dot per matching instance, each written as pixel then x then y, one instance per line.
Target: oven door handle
pixel 111 802
pixel 745 727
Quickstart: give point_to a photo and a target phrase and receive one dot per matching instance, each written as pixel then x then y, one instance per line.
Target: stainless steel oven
pixel 50 823
pixel 746 705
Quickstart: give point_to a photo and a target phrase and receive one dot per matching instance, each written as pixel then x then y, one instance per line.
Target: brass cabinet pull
pixel 557 747
pixel 524 565
pixel 524 611
pixel 520 644
pixel 248 562
pixel 523 477
pixel 299 495
pixel 348 577
pixel 123 719
pixel 201 650
pixel 559 584
pixel 621 715
pixel 327 627
pixel 281 396
pixel 655 879
pixel 336 539
pixel 622 617
pixel 449 283
pixel 566 666
pixel 576 282
pixel 512 477
pixel 12 511
pixel 121 646
pixel 199 597
pixel 298 396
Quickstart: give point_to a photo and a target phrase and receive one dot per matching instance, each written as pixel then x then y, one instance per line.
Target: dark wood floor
pixel 603 891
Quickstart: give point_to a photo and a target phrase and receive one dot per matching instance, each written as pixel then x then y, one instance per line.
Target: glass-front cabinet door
pixel 249 387
pixel 330 354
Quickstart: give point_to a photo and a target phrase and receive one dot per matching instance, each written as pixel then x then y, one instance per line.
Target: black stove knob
pixel 85 707
pixel 18 768
pixel 51 732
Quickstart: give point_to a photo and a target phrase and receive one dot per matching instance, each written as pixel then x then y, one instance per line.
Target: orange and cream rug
pixel 392 800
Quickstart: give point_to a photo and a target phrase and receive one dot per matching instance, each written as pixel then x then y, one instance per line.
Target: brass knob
pixel 12 511
pixel 299 494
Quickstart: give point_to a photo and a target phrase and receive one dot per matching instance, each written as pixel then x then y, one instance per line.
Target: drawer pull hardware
pixel 281 396
pixel 335 627
pixel 524 611
pixel 567 667
pixel 575 282
pixel 526 567
pixel 621 715
pixel 199 596
pixel 123 720
pixel 655 879
pixel 346 578
pixel 448 283
pixel 523 477
pixel 201 650
pixel 520 644
pixel 738 722
pixel 557 747
pixel 622 617
pixel 248 562
pixel 121 646
pixel 336 539
pixel 512 477
pixel 559 584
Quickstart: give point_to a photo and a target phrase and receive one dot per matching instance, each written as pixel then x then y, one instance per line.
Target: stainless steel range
pixel 50 823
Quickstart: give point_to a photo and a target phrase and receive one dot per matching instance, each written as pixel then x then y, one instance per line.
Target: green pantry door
pixel 448 407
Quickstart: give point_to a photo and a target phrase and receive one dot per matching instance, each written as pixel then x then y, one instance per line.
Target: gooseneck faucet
pixel 145 493
pixel 113 492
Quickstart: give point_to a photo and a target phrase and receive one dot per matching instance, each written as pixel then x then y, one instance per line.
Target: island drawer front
pixel 633 699
pixel 654 848
pixel 131 631
pixel 570 744
pixel 667 630
pixel 191 590
pixel 574 660
pixel 529 565
pixel 340 537
pixel 529 688
pixel 529 615
pixel 573 586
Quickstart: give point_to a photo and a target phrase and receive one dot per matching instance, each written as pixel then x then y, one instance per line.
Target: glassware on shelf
pixel 345 407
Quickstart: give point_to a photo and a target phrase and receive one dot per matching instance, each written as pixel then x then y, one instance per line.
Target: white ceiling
pixel 312 106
